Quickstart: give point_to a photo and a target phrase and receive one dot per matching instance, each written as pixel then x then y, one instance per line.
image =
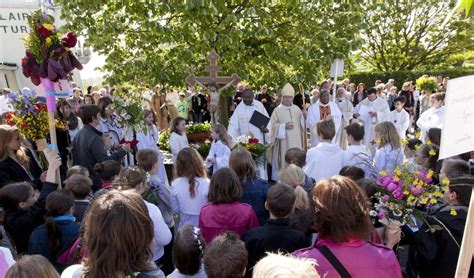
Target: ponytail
pixel 54 235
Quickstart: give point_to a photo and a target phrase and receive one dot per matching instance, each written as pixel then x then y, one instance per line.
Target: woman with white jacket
pixel 219 153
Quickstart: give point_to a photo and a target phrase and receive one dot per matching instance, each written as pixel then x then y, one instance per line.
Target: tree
pixel 148 42
pixel 407 34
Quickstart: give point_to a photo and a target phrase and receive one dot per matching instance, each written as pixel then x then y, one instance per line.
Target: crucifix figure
pixel 210 83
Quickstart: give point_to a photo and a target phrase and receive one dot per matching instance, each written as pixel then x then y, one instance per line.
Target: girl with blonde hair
pixel 389 154
pixel 279 265
pixel 219 154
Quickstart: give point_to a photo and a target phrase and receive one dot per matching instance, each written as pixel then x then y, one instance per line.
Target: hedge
pixel 368 78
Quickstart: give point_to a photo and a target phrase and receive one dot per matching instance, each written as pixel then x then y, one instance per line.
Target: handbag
pixel 334 261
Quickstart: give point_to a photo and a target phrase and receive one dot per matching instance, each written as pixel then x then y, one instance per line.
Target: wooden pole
pixel 467 245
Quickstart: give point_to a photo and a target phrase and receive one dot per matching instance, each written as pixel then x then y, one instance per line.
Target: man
pixel 199 106
pixel 234 101
pixel 345 105
pixel 213 105
pixel 75 100
pixel 4 102
pixel 288 130
pixel 372 110
pixel 322 109
pixel 265 99
pixel 239 123
pixel 298 100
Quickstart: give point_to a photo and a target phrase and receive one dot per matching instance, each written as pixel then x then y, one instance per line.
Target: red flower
pixel 253 140
pixel 43 32
pixel 24 126
pixel 39 106
pixel 24 61
pixel 8 116
pixel 28 54
pixel 70 40
pixel 11 123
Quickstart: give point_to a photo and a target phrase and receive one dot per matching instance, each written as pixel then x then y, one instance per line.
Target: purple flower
pixel 397 194
pixel 415 190
pixel 391 186
pixel 385 198
pixel 381 214
pixel 386 180
pixel 12 96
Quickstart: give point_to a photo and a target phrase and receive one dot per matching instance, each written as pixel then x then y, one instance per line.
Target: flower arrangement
pixel 403 192
pixel 426 84
pixel 251 144
pixel 198 127
pixel 48 53
pixel 164 138
pixel 129 110
pixel 30 116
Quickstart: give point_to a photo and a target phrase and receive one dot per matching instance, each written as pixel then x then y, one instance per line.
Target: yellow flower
pixel 433 201
pixel 445 181
pixel 430 174
pixel 428 142
pixel 48 26
pixel 379 140
pixel 453 212
pixel 416 172
pixel 418 135
pixel 404 142
pixel 396 178
pixel 383 173
pixel 432 152
pixel 397 172
pixel 424 201
pixel 438 194
pixel 406 192
pixel 59 35
pixel 48 41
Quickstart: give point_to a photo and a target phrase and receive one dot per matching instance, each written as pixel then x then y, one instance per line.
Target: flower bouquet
pixel 403 193
pixel 251 144
pixel 129 110
pixel 48 53
pixel 427 84
pixel 30 116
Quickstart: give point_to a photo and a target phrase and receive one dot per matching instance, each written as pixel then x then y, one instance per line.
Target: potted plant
pixel 198 133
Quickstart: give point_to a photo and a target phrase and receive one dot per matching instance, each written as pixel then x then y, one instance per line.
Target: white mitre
pixel 288 90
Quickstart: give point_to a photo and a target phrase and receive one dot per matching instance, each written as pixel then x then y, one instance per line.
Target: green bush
pixel 368 78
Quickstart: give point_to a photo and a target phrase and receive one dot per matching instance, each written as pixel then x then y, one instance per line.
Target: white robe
pixel 431 118
pixel 149 141
pixel 346 108
pixel 380 106
pixel 401 120
pixel 239 123
pixel 314 118
pixel 177 143
pixel 324 161
pixel 221 153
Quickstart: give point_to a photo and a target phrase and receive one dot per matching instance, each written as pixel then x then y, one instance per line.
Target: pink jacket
pixel 217 218
pixel 360 258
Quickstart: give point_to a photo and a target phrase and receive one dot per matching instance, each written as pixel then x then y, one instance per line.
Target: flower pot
pixel 41 144
pixel 198 137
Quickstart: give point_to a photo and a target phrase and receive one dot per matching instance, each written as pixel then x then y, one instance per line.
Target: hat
pixel 182 94
pixel 288 90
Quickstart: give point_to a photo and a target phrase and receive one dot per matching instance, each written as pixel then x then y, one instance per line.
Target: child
pixel 60 229
pixel 434 136
pixel 225 212
pixel 135 178
pixel 189 190
pixel 80 186
pixel 23 211
pixel 426 156
pixel 389 154
pixel 410 149
pixel 432 117
pixel 297 157
pixel 353 172
pixel 149 139
pixel 77 169
pixel 324 160
pixel 225 256
pixel 219 153
pixel 183 106
pixel 279 265
pixel 32 266
pixel 399 117
pixel 301 218
pixel 438 249
pixel 356 153
pixel 178 139
pixel 453 168
pixel 275 235
pixel 188 250
pixel 107 171
pixel 292 175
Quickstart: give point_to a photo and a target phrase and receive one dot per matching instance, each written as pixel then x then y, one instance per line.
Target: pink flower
pixel 415 190
pixel 397 194
pixel 391 186
pixel 381 214
pixel 385 198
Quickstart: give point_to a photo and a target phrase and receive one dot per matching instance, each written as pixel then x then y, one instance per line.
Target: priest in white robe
pixel 371 111
pixel 287 130
pixel 346 107
pixel 322 109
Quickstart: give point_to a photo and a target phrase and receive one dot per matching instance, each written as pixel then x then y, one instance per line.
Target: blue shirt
pixel 255 194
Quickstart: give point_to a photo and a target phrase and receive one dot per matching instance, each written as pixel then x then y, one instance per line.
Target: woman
pixel 17 163
pixel 66 114
pixel 410 102
pixel 254 189
pixel 118 225
pixel 359 95
pixel 108 121
pixel 158 105
pixel 341 217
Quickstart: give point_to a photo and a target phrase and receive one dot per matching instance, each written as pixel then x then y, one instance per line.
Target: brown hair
pixel 388 135
pixel 295 156
pixel 7 133
pixel 108 169
pixel 225 187
pixel 88 112
pixel 356 130
pixel 463 187
pixel 188 250
pixel 281 200
pixel 13 194
pixel 59 202
pixel 77 169
pixel 242 163
pixel 103 103
pixel 189 164
pixel 454 168
pixel 118 233
pixel 439 96
pixel 225 256
pixel 434 135
pixel 32 266
pixel 146 159
pixel 129 178
pixel 340 210
pixel 79 185
pixel 429 154
pixel 326 128
pixel 353 172
pixel 148 112
pixel 369 186
pixel 174 123
pixel 223 135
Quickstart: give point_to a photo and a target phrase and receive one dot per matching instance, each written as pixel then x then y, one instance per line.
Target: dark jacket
pixel 410 101
pixel 268 103
pixel 198 102
pixel 275 236
pixel 39 243
pixel 298 100
pixel 11 171
pixel 355 97
pixel 437 252
pixel 255 194
pixel 20 223
pixel 302 220
pixel 88 149
pixel 80 209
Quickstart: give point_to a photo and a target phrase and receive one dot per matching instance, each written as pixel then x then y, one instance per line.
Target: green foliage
pixel 164 138
pixel 368 78
pixel 408 35
pixel 198 127
pixel 427 84
pixel 128 107
pixel 273 42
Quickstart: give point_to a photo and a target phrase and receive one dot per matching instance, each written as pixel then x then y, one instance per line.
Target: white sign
pixel 457 136
pixel 337 68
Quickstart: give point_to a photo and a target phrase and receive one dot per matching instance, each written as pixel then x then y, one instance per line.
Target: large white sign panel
pixel 457 136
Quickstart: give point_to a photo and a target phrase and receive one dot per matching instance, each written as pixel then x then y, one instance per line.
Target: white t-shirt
pixel 182 203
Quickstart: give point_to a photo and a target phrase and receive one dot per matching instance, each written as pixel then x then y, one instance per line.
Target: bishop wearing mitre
pixel 287 130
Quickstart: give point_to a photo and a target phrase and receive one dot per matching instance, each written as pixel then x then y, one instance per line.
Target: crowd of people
pixel 91 211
